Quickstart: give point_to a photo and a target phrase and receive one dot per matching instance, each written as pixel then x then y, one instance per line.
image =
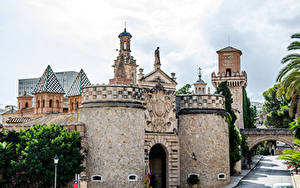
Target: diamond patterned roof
pixel 48 83
pixel 79 83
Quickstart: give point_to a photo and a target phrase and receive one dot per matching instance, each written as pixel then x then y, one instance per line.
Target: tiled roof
pixel 48 83
pixel 229 49
pixel 79 83
pixel 18 120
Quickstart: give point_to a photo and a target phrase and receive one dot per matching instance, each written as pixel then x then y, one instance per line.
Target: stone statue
pixel 157 58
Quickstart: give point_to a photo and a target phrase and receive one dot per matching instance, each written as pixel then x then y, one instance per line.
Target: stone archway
pixel 158 166
pixel 170 144
pixel 268 138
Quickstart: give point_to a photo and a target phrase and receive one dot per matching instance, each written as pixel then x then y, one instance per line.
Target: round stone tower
pixel 204 143
pixel 114 119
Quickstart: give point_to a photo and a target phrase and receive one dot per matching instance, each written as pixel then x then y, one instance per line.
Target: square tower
pixel 230 70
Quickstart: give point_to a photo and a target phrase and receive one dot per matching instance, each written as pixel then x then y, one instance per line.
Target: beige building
pixel 138 122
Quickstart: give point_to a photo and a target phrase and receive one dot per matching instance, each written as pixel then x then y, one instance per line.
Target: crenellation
pixel 201 101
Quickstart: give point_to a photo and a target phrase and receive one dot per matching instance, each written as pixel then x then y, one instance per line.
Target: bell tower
pixel 230 70
pixel 125 65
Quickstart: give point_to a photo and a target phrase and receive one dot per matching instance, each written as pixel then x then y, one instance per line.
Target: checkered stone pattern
pixel 100 93
pixel 79 83
pixel 201 101
pixel 48 83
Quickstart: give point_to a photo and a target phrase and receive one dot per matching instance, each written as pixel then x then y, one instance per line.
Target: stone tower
pixel 125 65
pixel 204 143
pixel 200 85
pixel 230 70
pixel 48 94
pixel 114 116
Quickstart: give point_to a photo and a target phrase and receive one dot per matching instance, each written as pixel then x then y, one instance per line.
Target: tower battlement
pixel 192 101
pixel 236 79
pixel 112 94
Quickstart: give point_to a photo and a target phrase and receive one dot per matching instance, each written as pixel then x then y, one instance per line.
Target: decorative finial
pixel 125 26
pixel 199 73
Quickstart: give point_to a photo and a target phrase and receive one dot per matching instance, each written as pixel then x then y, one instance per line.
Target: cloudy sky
pixel 74 34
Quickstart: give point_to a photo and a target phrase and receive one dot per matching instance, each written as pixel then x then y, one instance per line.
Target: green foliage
pixel 277 109
pixel 249 112
pixel 289 77
pixel 246 153
pixel 193 180
pixel 184 90
pixel 292 156
pixel 35 151
pixel 295 127
pixel 235 138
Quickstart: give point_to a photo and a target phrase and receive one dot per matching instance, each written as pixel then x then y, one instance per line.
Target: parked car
pixel 282 185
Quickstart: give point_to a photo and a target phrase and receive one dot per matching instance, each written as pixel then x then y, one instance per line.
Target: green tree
pixel 185 89
pixel 289 76
pixel 277 109
pixel 295 127
pixel 249 113
pixel 36 150
pixel 234 134
pixel 8 140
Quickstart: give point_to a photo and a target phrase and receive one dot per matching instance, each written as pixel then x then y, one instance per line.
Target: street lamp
pixel 55 163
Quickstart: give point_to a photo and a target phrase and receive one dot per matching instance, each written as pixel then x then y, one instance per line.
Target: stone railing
pixel 104 93
pixel 271 131
pixel 193 101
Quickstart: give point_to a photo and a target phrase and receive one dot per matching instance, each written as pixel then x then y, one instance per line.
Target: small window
pixel 43 103
pixel 50 103
pixel 38 103
pixel 193 174
pixel 26 104
pixel 221 176
pixel 97 178
pixel 132 177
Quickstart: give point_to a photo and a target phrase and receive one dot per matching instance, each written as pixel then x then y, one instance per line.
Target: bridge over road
pixel 256 136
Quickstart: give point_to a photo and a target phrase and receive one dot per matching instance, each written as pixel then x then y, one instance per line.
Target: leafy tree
pixel 234 134
pixel 36 151
pixel 249 113
pixel 244 147
pixel 185 89
pixel 295 127
pixel 277 109
pixel 289 76
pixel 8 142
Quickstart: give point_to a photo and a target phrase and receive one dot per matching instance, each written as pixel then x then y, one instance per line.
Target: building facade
pixel 138 122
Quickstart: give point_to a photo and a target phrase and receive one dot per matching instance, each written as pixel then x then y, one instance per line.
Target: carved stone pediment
pixel 160 110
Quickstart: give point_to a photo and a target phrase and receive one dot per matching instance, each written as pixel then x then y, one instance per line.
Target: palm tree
pixel 289 76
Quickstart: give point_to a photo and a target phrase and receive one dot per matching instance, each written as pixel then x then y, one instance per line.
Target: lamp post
pixel 55 163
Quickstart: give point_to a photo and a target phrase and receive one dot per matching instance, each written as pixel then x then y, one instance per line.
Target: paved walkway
pixel 296 179
pixel 237 178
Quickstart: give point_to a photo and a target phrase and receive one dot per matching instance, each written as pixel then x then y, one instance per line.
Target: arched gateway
pixel 256 136
pixel 158 166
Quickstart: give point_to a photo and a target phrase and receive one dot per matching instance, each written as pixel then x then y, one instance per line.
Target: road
pixel 268 171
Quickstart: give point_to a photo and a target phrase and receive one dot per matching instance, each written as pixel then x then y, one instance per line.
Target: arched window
pixel 50 103
pixel 124 44
pixel 77 105
pixel 133 177
pixel 72 106
pixel 26 104
pixel 43 103
pixel 57 103
pixel 38 103
pixel 228 72
pixel 96 178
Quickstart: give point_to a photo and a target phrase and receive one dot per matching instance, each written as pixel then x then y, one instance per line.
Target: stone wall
pixel 204 142
pixel 115 122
